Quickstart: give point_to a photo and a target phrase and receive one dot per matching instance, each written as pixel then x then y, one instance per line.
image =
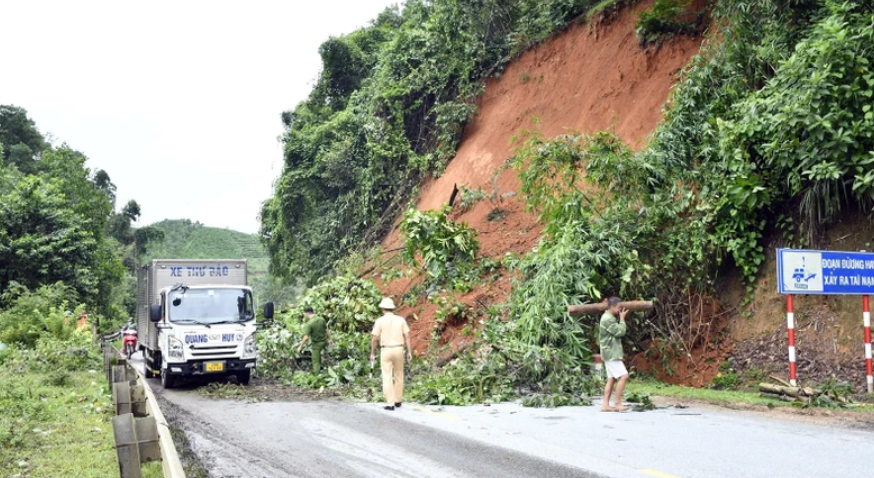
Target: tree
pixel 145 236
pixel 42 239
pixel 120 229
pixel 131 210
pixel 104 183
pixel 22 139
pixel 53 227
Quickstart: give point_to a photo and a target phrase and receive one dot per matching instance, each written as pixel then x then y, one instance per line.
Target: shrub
pixel 34 314
pixel 55 356
pixel 665 18
pixel 448 249
pixel 347 303
pixel 726 379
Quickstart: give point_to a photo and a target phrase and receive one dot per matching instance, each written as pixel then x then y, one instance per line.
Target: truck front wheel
pixel 167 381
pixel 243 377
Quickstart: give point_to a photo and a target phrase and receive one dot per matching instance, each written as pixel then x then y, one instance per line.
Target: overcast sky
pixel 178 101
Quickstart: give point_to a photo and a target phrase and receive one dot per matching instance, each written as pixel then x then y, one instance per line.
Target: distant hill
pixel 184 239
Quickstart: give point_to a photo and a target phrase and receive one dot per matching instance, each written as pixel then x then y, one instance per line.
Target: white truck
pixel 197 317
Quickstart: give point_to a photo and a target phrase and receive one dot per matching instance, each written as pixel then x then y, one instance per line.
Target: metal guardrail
pixel 141 431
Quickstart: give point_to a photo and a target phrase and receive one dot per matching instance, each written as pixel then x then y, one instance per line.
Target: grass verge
pixel 717 397
pixel 720 397
pixel 58 424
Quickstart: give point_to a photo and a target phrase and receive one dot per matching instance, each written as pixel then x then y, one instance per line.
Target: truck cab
pixel 201 326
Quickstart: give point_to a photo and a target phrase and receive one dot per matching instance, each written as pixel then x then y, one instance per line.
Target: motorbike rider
pixel 130 337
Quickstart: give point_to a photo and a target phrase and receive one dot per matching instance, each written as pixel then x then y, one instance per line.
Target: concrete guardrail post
pixel 126 446
pixel 138 440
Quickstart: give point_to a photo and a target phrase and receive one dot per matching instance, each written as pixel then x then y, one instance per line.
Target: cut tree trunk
pixel 777 397
pixel 451 356
pixel 599 308
pixel 781 390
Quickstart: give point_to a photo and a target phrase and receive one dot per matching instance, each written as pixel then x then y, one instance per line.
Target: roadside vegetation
pixel 59 223
pixel 57 408
pixel 65 248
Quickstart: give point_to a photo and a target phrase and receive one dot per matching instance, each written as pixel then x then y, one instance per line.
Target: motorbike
pixel 130 342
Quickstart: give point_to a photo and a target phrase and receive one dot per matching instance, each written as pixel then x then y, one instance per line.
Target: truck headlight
pixel 175 351
pixel 250 347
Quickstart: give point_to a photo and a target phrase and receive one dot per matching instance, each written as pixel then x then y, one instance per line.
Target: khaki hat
pixel 387 304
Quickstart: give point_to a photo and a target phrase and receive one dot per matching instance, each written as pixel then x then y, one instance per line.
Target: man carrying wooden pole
pixel 610 336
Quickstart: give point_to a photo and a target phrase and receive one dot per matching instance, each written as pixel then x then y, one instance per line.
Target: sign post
pixel 790 326
pixel 866 320
pixel 808 272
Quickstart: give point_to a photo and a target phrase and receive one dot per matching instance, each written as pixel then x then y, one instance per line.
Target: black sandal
pixel 398 405
pixel 388 407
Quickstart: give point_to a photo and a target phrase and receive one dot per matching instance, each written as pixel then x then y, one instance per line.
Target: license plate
pixel 215 366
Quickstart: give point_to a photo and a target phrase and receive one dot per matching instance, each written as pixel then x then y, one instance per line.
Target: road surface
pixel 341 439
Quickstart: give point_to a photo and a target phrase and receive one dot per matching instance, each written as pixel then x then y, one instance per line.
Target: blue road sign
pixel 825 272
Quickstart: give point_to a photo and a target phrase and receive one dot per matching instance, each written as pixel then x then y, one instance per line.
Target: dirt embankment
pixel 828 329
pixel 752 336
pixel 589 78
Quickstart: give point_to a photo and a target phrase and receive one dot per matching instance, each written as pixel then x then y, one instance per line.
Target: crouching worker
pixel 315 331
pixel 610 334
pixel 392 333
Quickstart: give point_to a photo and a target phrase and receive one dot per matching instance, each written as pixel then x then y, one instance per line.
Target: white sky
pixel 178 101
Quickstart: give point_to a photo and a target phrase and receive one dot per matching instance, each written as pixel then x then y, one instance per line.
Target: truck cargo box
pixel 161 273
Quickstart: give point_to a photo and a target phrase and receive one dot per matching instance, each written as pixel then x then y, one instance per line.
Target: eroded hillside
pixel 594 76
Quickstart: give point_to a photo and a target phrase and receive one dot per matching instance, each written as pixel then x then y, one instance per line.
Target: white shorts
pixel 615 369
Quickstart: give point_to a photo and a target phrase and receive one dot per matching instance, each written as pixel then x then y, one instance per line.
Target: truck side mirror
pixel 155 312
pixel 268 311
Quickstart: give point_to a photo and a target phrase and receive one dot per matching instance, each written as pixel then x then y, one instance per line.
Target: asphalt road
pixel 339 439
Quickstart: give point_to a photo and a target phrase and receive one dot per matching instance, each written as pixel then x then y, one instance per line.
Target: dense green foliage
pixel 667 18
pixel 63 249
pixel 349 306
pixel 21 139
pixel 588 250
pixel 31 315
pixel 57 222
pixel 56 413
pixel 447 249
pixel 347 303
pixel 193 240
pixel 388 108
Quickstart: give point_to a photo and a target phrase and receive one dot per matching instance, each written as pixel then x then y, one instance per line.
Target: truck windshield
pixel 211 306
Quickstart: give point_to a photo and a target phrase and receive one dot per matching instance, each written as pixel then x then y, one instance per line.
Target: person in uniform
pixel 392 333
pixel 315 331
pixel 82 323
pixel 610 335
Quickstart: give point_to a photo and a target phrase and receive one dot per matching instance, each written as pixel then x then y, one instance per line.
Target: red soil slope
pixel 586 79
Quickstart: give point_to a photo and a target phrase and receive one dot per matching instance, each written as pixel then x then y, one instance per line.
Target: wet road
pixel 339 439
pixel 335 439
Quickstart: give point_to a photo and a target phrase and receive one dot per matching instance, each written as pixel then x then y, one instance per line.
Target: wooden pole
pixel 599 308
